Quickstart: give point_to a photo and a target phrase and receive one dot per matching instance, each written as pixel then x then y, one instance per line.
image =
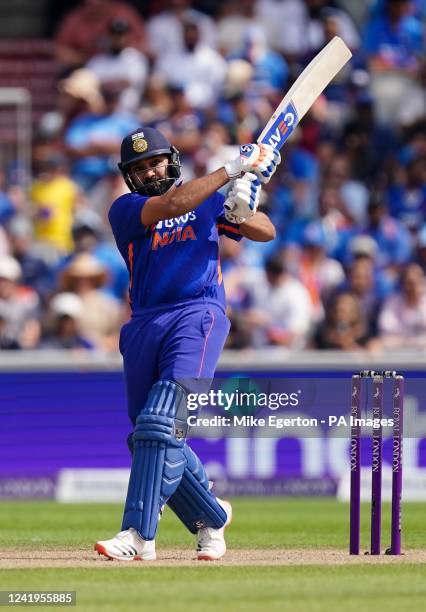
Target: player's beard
pixel 155 186
pixel 158 186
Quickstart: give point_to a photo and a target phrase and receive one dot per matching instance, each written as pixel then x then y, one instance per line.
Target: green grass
pixel 304 588
pixel 259 523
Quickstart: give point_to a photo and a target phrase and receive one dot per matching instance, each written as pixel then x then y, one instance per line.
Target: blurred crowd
pixel 347 269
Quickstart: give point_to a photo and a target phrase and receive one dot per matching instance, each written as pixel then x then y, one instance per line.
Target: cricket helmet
pixel 143 143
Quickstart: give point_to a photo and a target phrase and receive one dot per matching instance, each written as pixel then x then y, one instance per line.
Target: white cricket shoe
pixel 211 544
pixel 127 546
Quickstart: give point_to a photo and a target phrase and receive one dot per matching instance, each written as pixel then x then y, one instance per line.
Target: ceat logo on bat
pixel 282 127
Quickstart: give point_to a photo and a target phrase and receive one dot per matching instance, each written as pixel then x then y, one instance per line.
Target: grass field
pixel 264 524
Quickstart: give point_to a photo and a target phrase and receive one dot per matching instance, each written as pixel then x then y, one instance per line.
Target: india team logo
pixel 139 143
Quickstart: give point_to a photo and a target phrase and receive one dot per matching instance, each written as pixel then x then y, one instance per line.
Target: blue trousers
pixel 180 342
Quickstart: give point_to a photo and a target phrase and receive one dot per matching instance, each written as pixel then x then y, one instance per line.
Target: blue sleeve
pixel 125 217
pixel 224 227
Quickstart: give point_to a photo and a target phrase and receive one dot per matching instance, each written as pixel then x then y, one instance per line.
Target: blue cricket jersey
pixel 175 259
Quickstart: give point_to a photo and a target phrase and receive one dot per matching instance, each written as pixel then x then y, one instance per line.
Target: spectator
pixel 284 22
pixel 157 103
pixel 412 107
pixel 7 209
pixel 108 189
pixel 295 190
pixel 89 237
pixel 7 342
pixel 270 70
pixel 344 327
pixel 166 30
pixel 317 272
pixel 353 194
pixel 78 94
pixel 35 271
pixel 202 71
pixel 62 328
pixel 102 315
pixel 361 246
pixel 280 311
pixel 364 284
pixel 235 18
pixel 368 142
pixel 4 242
pixel 217 147
pixel 183 128
pixel 392 42
pixel 334 219
pixel 54 198
pixel 240 117
pixel 243 112
pixel 393 240
pixel 331 22
pixel 93 139
pixel 19 308
pixel 82 32
pixel 234 268
pixel 121 66
pixel 295 27
pixel 421 248
pixel 323 19
pixel 407 194
pixel 402 321
pixel 393 37
pixel 238 77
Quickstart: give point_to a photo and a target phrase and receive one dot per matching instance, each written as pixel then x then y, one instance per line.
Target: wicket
pixel 378 379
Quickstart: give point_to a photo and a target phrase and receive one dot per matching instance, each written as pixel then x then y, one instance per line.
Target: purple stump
pixel 355 462
pixel 376 467
pixel 397 415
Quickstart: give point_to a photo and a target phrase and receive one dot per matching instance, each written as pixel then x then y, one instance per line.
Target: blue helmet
pixel 143 143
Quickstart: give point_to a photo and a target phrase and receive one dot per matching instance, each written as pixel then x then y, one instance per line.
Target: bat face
pixel 303 93
pixel 281 128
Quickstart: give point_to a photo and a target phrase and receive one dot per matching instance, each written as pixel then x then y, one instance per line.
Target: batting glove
pixel 243 199
pixel 261 159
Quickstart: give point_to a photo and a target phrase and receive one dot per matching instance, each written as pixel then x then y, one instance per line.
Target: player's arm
pixel 178 201
pixel 241 208
pixel 259 159
pixel 258 228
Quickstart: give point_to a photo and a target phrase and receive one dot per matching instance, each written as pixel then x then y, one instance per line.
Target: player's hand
pixel 243 199
pixel 261 159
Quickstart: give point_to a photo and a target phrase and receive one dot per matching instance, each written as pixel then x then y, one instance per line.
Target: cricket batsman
pixel 168 234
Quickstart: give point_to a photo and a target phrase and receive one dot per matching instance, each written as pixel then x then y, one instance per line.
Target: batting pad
pixel 158 457
pixel 192 502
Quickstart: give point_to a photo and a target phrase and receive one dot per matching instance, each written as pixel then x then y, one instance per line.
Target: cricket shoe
pixel 127 546
pixel 211 544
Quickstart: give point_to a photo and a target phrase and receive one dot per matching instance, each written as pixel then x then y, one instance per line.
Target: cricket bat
pixel 303 93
